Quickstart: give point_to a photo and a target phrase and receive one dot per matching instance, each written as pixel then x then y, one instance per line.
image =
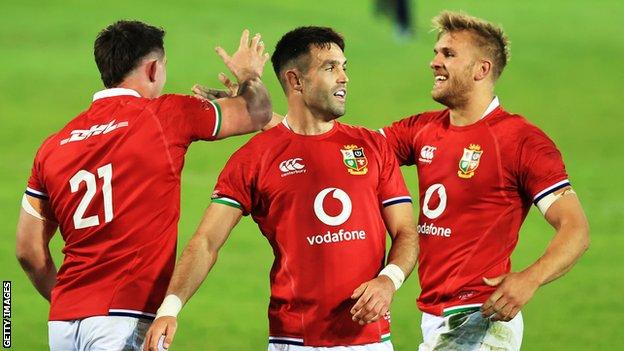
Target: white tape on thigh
pixel 30 209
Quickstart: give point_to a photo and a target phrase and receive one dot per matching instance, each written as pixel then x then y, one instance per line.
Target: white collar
pixel 114 92
pixel 285 122
pixel 494 104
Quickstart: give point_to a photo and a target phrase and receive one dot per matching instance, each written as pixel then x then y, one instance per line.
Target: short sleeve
pixel 190 117
pixel 391 188
pixel 237 180
pixel 541 168
pixel 36 186
pixel 400 136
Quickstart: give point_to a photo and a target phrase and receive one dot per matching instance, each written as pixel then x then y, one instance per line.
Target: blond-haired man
pixel 479 169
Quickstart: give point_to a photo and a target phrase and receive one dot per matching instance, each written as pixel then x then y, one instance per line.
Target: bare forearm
pixel 192 268
pixel 562 253
pixel 404 250
pixel 41 272
pixel 257 101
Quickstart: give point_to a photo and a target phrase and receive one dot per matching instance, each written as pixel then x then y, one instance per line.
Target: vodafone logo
pixel 339 195
pixel 435 212
pixel 291 166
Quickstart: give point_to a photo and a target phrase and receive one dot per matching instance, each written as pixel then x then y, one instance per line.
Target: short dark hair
pixel 119 48
pixel 297 42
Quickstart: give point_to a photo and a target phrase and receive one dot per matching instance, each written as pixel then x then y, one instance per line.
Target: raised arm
pixel 571 240
pixel 374 297
pixel 34 233
pixel 192 268
pixel 250 109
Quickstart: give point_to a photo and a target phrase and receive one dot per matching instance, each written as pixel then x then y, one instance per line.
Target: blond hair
pixel 488 36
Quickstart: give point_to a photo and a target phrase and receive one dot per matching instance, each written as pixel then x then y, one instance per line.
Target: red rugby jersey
pixel 476 185
pixel 318 201
pixel 112 176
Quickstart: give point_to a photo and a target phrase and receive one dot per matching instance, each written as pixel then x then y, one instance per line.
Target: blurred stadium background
pixel 565 75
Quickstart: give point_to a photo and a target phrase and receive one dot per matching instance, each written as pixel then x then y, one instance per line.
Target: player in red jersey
pixel 479 170
pixel 110 181
pixel 323 193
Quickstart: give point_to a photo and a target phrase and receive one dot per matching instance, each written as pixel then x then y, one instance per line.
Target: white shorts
pixel 100 333
pixel 469 331
pixel 378 346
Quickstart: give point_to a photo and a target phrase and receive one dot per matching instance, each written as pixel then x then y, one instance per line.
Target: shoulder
pixel 515 129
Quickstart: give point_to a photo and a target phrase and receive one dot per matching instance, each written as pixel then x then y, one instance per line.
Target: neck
pixel 302 120
pixel 472 110
pixel 130 83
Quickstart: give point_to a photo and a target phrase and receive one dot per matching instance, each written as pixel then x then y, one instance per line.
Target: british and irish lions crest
pixel 469 161
pixel 355 160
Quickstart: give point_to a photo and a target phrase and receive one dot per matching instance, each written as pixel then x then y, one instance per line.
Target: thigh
pixel 112 333
pixel 62 335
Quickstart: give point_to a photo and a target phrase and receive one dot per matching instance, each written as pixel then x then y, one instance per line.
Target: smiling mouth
pixel 439 80
pixel 341 94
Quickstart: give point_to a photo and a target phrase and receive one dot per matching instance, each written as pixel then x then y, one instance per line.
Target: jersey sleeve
pixel 189 118
pixel 391 188
pixel 541 168
pixel 35 186
pixel 400 136
pixel 235 184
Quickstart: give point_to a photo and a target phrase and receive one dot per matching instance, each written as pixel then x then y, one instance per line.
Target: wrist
pixel 170 306
pixel 395 274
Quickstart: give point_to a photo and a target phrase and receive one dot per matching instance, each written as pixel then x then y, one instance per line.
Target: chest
pixel 466 164
pixel 301 169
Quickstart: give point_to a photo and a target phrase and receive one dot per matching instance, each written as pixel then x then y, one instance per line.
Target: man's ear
pixel 483 69
pixel 293 80
pixel 151 68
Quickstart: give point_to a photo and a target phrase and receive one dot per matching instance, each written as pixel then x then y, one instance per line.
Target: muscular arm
pixel 198 258
pixel 571 240
pixel 32 250
pixel 402 228
pixel 374 297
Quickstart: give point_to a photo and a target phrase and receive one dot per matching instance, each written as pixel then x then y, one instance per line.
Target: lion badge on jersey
pixel 469 161
pixel 355 160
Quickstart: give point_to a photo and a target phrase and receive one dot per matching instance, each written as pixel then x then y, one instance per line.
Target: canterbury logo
pixel 82 134
pixel 291 165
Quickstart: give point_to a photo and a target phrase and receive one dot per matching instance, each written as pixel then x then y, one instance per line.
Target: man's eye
pixel 329 69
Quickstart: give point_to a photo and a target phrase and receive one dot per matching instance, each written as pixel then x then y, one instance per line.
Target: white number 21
pixel 105 172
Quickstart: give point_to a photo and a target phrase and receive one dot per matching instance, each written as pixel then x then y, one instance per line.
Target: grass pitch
pixel 565 76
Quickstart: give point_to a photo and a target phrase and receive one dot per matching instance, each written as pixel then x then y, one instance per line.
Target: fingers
pixel 255 41
pixel 171 330
pixel 223 54
pixel 231 86
pixel 487 309
pixel 244 40
pixel 494 281
pixel 359 291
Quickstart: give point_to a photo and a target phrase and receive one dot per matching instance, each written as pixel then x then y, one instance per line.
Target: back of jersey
pixel 112 179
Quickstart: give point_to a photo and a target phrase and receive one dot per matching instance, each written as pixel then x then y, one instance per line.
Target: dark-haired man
pixel 479 170
pixel 110 180
pixel 323 194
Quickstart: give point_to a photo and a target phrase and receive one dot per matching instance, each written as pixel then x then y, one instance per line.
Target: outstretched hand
pixel 248 61
pixel 212 94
